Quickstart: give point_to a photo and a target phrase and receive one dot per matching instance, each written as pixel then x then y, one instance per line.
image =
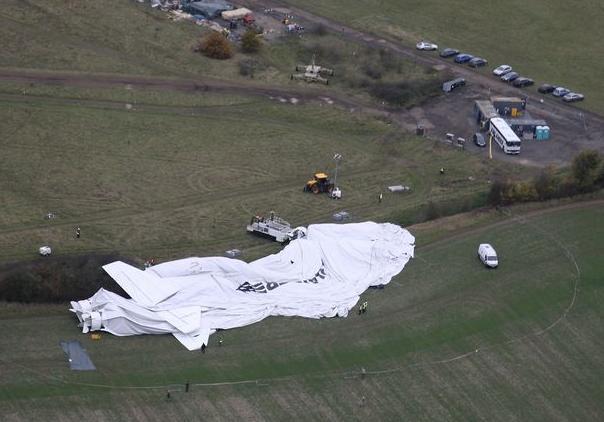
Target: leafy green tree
pixel 585 168
pixel 250 42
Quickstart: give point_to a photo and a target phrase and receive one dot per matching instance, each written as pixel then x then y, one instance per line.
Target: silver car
pixel 426 45
pixel 571 97
pixel 560 91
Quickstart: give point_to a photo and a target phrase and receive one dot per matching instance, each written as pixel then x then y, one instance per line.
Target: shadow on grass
pixel 57 279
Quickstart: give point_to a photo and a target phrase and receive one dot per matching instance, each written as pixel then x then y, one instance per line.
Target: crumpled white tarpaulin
pixel 321 275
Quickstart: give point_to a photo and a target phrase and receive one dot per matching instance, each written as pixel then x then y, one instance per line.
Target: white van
pixel 487 255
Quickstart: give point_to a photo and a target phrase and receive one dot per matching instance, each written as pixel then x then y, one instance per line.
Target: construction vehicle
pixel 320 183
pixel 273 227
pixel 312 73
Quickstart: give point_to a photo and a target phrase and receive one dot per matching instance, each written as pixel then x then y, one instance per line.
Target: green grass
pixel 170 181
pixel 548 40
pixel 119 37
pixel 443 305
pixel 110 37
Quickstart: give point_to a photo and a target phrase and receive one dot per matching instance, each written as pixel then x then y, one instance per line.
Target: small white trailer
pixel 272 227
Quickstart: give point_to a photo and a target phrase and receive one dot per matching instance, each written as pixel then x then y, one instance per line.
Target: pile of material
pixel 320 275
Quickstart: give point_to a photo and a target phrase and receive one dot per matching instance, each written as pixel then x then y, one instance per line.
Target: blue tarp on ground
pixel 209 8
pixel 77 356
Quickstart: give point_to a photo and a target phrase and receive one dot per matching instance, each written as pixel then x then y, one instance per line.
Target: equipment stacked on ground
pixel 312 73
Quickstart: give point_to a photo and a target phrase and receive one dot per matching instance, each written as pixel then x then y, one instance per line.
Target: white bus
pixel 505 137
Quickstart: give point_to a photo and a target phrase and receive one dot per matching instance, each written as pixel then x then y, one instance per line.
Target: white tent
pixel 321 275
pixel 233 15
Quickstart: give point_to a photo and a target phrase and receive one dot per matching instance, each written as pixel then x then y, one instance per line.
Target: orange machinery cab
pixel 320 183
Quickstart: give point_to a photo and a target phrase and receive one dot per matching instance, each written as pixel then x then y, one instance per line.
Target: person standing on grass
pixel 380 197
pixel 77 232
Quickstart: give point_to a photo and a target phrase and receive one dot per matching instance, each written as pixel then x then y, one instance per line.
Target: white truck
pixel 487 255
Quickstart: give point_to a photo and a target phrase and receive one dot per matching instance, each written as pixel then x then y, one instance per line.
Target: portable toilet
pixel 538 133
pixel 545 132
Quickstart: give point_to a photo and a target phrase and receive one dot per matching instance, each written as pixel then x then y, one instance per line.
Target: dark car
pixel 451 85
pixel 509 77
pixel 463 58
pixel 477 62
pixel 546 88
pixel 478 139
pixel 521 82
pixel 448 52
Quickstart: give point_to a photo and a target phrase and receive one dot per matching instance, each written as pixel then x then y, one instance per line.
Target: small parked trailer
pixel 273 227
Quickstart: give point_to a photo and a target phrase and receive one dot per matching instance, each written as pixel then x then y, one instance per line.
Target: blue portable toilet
pixel 545 132
pixel 539 133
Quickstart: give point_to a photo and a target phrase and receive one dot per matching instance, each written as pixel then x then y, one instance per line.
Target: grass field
pixel 170 180
pixel 169 174
pixel 548 40
pixel 535 322
pixel 73 37
pixel 111 37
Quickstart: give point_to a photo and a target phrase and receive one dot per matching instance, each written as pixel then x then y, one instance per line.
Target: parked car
pixel 487 255
pixel 546 88
pixel 477 62
pixel 426 45
pixel 502 70
pixel 478 139
pixel 509 77
pixel 522 82
pixel 572 97
pixel 451 85
pixel 448 52
pixel 560 91
pixel 463 58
